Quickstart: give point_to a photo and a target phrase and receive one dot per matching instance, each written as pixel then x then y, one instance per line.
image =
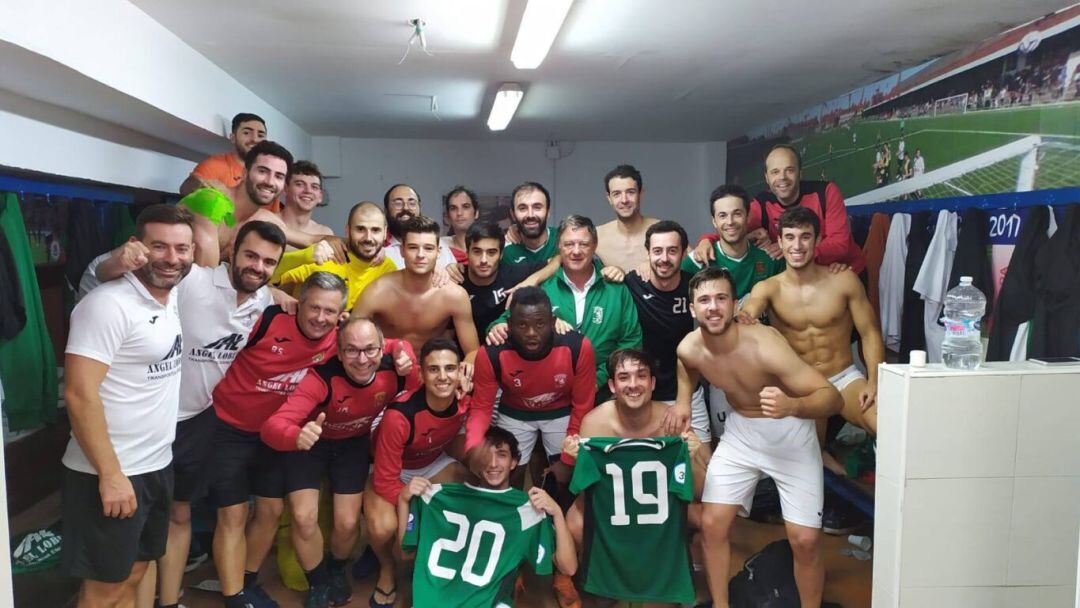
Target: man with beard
pixel 815 310
pixel 266 171
pixel 461 209
pixel 278 353
pixel 775 397
pixel 218 309
pixel 324 428
pixel 620 239
pixel 365 232
pixel 228 169
pixel 122 392
pixel 402 204
pixel 783 171
pixel 662 306
pixel 407 305
pixel 537 242
pixel 303 193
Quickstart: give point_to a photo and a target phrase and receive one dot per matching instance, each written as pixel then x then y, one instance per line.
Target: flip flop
pixel 374 604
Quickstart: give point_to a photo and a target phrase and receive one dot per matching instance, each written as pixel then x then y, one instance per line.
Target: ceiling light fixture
pixel 539 26
pixel 506 103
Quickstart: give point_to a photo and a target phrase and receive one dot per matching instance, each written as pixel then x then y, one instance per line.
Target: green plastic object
pixel 35 551
pixel 211 204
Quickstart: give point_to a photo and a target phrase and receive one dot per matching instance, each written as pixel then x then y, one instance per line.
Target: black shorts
pixel 191 456
pixel 242 465
pixel 346 460
pixel 102 548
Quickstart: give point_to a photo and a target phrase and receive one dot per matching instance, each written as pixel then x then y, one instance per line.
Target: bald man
pixel 365 232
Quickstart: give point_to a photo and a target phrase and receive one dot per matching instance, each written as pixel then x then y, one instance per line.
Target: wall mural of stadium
pixel 1001 117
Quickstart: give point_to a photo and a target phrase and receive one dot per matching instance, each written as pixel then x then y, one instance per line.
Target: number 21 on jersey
pixel 658 500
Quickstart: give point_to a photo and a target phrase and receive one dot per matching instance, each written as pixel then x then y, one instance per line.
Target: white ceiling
pixel 632 70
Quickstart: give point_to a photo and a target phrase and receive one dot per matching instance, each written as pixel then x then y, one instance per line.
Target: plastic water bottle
pixel 965 306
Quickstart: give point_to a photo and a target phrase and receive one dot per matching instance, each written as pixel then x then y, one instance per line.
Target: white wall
pixel 116 44
pixel 678 176
pixel 54 140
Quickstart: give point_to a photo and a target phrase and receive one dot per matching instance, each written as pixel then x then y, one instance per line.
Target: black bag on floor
pixel 767 579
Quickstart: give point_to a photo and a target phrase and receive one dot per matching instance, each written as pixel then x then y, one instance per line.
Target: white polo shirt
pixel 121 325
pixel 215 329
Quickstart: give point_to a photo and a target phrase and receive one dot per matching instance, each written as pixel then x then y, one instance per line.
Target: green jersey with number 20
pixel 636 491
pixel 469 542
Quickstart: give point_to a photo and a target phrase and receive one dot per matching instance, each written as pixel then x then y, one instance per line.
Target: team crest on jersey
pixel 318 357
pixel 560 379
pixel 759 267
pixel 680 473
pixel 380 398
pixel 597 315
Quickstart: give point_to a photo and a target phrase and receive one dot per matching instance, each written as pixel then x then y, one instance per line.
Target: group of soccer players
pixel 189 377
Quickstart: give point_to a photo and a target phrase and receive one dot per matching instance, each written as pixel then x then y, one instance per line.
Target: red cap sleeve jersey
pixel 268 369
pixel 350 407
pixel 837 244
pixel 561 383
pixel 410 436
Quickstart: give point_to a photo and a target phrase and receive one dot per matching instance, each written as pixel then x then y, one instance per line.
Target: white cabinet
pixel 978 487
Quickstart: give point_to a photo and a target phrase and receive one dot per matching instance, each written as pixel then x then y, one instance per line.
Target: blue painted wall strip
pixel 15 184
pixel 1005 200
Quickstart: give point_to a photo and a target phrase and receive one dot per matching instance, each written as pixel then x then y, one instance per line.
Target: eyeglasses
pixel 400 204
pixel 370 352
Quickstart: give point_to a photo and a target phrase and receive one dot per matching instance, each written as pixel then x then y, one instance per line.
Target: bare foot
pixel 832 464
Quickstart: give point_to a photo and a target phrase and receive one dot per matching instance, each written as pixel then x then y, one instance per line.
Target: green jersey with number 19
pixel 636 491
pixel 469 542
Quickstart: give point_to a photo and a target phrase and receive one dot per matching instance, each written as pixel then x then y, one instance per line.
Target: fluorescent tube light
pixel 506 103
pixel 539 26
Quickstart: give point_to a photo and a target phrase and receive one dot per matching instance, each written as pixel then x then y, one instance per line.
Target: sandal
pixel 374 604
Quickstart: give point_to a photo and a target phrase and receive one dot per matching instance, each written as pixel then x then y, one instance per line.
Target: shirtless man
pixel 774 397
pixel 620 239
pixel 266 169
pixel 630 414
pixel 815 310
pixel 633 414
pixel 302 194
pixel 406 304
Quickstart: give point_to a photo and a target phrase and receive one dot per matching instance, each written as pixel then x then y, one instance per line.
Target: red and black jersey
pixel 560 383
pixel 825 200
pixel 411 436
pixel 272 363
pixel 350 406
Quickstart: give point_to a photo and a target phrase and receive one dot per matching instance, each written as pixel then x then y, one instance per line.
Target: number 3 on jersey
pixel 474 541
pixel 659 499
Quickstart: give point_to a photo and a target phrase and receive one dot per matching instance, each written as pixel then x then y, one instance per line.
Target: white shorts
pixel 552 432
pixel 786 450
pixel 444 460
pixel 846 377
pixel 699 415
